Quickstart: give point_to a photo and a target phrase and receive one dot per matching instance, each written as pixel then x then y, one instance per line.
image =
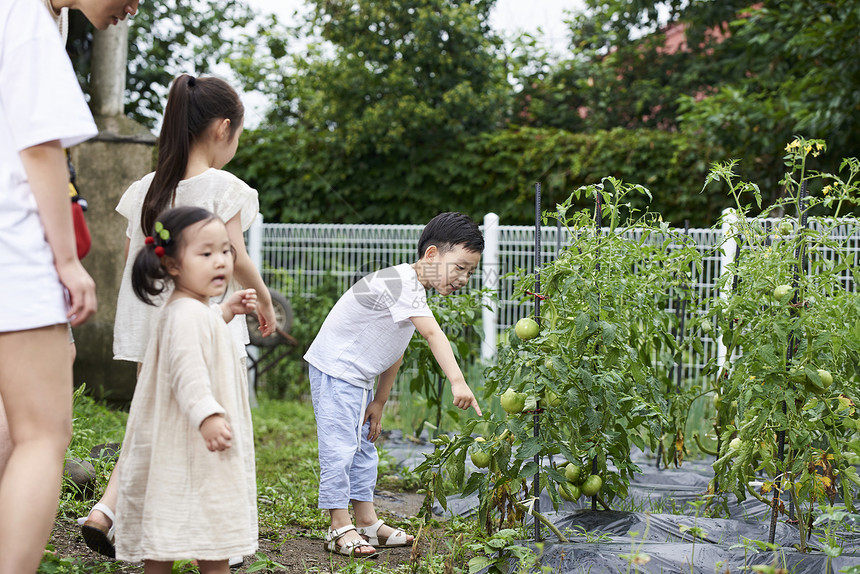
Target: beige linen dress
pixel 177 500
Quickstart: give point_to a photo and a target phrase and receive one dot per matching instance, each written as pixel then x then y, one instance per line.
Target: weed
pixel 53 564
pixel 264 564
pixel 637 558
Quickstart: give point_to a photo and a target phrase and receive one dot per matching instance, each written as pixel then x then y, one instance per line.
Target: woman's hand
pixel 82 291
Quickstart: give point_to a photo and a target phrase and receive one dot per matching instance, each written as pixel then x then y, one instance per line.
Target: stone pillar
pixel 106 165
pixel 110 57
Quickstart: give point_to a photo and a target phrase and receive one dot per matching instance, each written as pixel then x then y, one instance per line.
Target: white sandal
pixel 348 548
pixel 96 536
pixel 371 534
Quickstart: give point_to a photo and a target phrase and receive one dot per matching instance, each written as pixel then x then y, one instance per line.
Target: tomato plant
pixel 595 369
pixel 792 336
pixel 597 375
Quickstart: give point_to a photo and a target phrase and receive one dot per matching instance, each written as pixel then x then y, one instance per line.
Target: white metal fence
pixel 295 258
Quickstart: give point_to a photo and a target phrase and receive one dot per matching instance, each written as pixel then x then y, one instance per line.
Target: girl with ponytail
pixel 203 121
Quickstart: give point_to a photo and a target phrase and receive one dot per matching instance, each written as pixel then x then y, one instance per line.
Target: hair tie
pixel 192 81
pixel 162 232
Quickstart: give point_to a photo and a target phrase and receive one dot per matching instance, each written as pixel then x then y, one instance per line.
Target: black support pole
pixel 536 483
pixel 800 257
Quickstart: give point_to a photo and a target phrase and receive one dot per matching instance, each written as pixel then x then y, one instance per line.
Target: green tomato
pixel 572 472
pixel 785 227
pixel 527 328
pixel 480 458
pixel 569 491
pixel 551 399
pixel 512 401
pixel 735 444
pixel 781 291
pixel 592 485
pixel 826 378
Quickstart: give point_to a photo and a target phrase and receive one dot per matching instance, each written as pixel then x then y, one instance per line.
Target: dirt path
pixel 299 554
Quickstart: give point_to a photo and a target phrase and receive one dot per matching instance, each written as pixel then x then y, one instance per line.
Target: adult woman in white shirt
pixel 44 285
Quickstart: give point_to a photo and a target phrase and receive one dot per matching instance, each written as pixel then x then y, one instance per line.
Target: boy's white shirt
pixel 369 327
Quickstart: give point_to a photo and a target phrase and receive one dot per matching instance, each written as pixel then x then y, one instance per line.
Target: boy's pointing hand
pixel 464 398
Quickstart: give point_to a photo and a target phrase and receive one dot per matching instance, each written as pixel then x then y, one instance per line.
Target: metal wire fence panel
pixel 297 257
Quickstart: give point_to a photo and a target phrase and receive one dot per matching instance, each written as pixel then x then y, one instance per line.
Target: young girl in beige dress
pixel 186 482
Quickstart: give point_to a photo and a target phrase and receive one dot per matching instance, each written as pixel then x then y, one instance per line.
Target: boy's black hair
pixel 148 273
pixel 448 230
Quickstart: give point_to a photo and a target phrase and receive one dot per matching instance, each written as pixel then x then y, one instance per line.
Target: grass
pixel 287 469
pixel 93 424
pixel 287 480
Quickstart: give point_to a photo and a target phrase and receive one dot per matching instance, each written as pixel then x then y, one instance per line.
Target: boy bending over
pixel 361 341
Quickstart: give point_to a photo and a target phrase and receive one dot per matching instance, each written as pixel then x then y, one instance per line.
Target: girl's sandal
pixel 97 537
pixel 397 538
pixel 347 548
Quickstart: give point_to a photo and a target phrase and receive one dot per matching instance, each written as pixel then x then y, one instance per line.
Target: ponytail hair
pixel 192 105
pixel 149 274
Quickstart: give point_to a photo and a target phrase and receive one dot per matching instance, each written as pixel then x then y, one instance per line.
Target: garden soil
pixel 298 554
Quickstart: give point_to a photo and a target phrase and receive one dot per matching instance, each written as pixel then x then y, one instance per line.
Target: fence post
pixel 490 273
pixel 727 257
pixel 255 251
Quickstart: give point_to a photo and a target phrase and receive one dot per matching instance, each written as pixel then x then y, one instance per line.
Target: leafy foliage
pixel 166 38
pixel 785 344
pixel 374 110
pixel 494 171
pixel 596 373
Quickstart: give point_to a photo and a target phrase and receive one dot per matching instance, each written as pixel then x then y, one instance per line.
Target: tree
pixel 747 77
pixel 792 68
pixel 373 110
pixel 166 38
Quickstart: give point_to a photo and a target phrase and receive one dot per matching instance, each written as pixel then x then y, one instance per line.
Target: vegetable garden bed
pixel 597 382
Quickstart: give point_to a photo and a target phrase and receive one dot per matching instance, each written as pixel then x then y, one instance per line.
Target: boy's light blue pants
pixel 347 459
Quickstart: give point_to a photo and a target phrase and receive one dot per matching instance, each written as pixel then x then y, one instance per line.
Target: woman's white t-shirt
pixel 34 69
pixel 218 191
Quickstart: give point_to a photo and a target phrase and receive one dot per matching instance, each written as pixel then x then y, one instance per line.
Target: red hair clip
pixel 149 240
pixel 159 251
